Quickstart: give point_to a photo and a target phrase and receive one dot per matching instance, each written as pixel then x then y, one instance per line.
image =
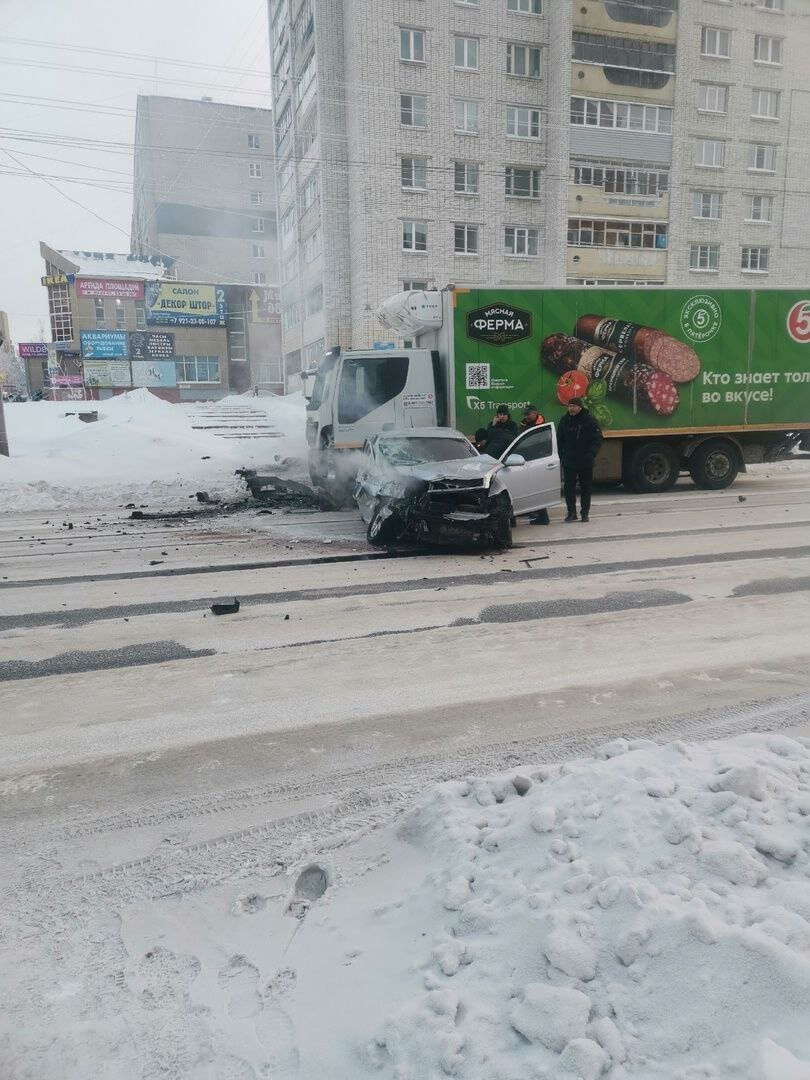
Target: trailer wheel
pixel 652 467
pixel 714 464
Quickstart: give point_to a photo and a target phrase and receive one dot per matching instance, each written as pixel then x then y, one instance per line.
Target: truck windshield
pixel 417 451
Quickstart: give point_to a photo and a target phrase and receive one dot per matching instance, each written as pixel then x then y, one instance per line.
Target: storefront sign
pixel 57 379
pixel 107 373
pixel 151 345
pixel 175 303
pixel 30 349
pixel 154 373
pixel 58 279
pixel 103 344
pixel 120 288
pixel 264 305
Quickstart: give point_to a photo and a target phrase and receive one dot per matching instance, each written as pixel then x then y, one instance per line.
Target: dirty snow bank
pixel 645 914
pixel 142 449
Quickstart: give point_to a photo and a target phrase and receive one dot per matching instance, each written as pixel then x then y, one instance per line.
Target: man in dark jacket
pixel 501 433
pixel 578 439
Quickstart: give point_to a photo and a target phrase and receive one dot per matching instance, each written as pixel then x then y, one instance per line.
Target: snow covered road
pixel 154 757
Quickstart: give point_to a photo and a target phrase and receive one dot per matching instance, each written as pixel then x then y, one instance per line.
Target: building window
pixel 98 304
pixel 466 3
pixel 258 251
pixel 259 277
pixel 256 198
pixel 620 178
pixel 761 158
pixel 772 5
pixel 767 50
pixel 310 192
pixel 288 226
pixel 765 104
pixel 254 142
pixel 291 267
pixel 465 52
pixel 258 225
pixel 525 7
pixel 59 311
pixel 584 232
pixel 314 301
pixel 120 315
pixel 521 183
pixel 465 240
pixel 140 315
pixel 715 43
pixel 413 110
pixel 706 204
pixel 285 175
pixel 760 208
pixel 255 170
pixel 523 241
pixel 414 286
pixel 712 97
pixel 465 177
pixel 710 153
pixel 755 260
pixel 523 60
pixel 312 246
pixel 623 115
pixel 522 123
pixel 466 116
pixel 414 236
pixel 704 257
pixel 412 46
pixel 414 173
pixel 198 369
pixel 290 316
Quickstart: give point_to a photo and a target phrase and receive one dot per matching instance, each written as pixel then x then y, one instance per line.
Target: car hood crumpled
pixel 461 469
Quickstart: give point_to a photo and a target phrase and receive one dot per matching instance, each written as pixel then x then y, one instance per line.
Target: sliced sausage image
pixel 642 343
pixel 639 384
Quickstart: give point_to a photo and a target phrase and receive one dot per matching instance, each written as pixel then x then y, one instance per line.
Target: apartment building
pixel 204 189
pixel 740 213
pixel 605 142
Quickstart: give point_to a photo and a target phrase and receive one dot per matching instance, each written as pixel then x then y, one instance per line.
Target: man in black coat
pixel 501 433
pixel 578 439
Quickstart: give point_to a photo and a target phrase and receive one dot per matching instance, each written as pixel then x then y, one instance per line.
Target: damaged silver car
pixel 431 486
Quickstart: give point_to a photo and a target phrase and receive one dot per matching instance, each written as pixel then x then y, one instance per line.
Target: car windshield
pixel 416 451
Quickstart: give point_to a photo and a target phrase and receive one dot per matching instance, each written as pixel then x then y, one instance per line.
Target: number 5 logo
pixel 798 322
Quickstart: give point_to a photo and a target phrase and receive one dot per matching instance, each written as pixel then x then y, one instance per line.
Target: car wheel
pixel 384 528
pixel 714 465
pixel 503 534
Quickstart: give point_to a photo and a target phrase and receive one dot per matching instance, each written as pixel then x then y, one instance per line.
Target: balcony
pixel 654 21
pixel 623 66
pixel 593 201
pixel 632 263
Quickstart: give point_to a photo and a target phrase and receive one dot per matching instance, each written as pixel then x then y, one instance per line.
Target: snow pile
pixel 141 449
pixel 642 914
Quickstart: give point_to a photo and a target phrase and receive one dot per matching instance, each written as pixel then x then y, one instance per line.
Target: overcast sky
pixel 51 97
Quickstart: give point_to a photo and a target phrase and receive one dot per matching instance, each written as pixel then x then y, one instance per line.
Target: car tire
pixel 652 467
pixel 383 531
pixel 714 465
pixel 502 536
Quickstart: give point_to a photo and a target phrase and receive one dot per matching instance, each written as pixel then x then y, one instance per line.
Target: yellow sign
pixel 55 279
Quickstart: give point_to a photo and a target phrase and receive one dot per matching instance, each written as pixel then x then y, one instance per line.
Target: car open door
pixel 534 485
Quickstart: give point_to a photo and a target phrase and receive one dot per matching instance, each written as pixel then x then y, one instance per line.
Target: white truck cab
pixel 359 394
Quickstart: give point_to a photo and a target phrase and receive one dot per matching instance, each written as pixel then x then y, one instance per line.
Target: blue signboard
pixel 180 303
pixel 384 345
pixel 104 344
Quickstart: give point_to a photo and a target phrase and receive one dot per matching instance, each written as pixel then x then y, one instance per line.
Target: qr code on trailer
pixel 478 376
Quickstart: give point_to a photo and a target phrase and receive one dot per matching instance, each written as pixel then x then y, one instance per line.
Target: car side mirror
pixel 515 459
